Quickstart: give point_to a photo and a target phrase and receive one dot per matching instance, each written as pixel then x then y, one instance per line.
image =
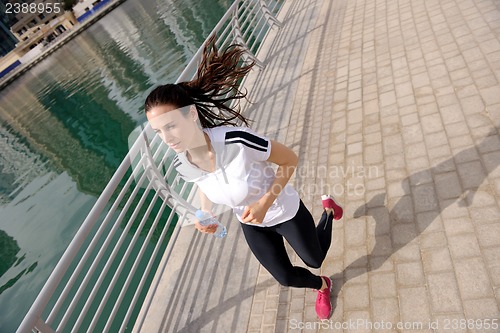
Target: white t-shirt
pixel 243 174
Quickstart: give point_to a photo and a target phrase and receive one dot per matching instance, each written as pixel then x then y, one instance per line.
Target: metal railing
pixel 102 279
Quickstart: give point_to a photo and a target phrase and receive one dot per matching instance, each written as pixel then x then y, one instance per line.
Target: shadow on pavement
pixel 454 180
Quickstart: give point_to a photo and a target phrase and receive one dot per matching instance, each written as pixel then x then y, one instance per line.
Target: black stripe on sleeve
pixel 247 139
pixel 246 143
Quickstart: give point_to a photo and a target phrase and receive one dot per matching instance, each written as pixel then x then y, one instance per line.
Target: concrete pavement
pixel 401 103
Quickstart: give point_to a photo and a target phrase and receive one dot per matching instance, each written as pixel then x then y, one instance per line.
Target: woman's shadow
pixel 454 180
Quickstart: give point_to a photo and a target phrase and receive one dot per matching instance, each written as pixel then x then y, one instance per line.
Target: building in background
pixel 86 8
pixel 34 33
pixel 34 30
pixel 7 39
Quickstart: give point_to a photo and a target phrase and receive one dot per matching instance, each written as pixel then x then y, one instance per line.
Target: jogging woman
pixel 232 165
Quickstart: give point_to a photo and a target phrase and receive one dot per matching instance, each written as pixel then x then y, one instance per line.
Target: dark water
pixel 64 128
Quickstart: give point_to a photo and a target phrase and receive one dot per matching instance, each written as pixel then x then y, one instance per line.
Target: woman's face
pixel 176 129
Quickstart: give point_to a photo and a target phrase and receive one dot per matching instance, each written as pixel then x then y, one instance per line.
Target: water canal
pixel 64 127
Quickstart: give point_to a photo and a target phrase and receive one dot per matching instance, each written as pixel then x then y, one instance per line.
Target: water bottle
pixel 206 218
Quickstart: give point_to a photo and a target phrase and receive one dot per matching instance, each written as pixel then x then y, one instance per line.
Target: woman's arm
pixel 206 205
pixel 287 160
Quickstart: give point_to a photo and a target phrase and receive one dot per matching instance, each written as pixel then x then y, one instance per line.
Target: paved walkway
pixel 394 107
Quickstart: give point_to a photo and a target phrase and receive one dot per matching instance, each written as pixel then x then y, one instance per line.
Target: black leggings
pixel 310 242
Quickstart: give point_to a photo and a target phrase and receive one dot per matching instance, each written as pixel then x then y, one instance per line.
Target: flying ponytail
pixel 212 90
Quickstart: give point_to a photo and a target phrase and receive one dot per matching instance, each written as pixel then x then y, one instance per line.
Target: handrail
pixel 238 24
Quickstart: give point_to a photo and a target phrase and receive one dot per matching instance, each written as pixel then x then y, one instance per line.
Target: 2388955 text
pixel 33 8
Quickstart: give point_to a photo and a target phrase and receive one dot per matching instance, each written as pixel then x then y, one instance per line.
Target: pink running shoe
pixel 329 202
pixel 323 304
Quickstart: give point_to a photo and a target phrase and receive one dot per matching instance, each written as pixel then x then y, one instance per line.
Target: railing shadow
pixel 213 287
pixel 396 227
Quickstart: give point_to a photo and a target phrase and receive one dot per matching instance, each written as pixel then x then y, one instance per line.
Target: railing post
pixel 42 327
pixel 238 37
pixel 271 20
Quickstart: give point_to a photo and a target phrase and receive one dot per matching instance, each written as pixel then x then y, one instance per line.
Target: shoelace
pixel 328 217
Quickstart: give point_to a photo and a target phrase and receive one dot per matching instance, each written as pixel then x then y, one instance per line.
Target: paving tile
pixel 489 234
pixel 362 318
pixel 472 278
pixel 385 310
pixel 435 139
pixel 381 263
pixel 447 97
pixel 436 260
pixel 382 285
pixel 453 209
pixel 424 198
pixel 463 141
pixel 410 274
pixel 481 309
pixel 464 245
pixel 356 257
pixel 444 293
pixel 356 275
pixel 355 234
pixel 491 95
pixel 471 174
pixel 356 297
pixel 448 185
pixel 472 104
pixel 484 215
pixel 414 305
pixel 449 322
pixel 415 150
pixel 492 260
pixel 421 177
pixel 410 252
pixel 417 164
pixel 433 239
pixel 409 119
pixel 452 114
pixel 429 222
pixel 412 134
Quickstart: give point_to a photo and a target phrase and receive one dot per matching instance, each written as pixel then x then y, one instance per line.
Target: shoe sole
pixel 331 306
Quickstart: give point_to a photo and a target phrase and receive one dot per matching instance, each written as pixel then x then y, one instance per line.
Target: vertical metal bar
pixel 118 271
pixel 88 251
pixel 112 256
pixel 154 285
pixel 150 262
pixel 239 39
pixel 98 257
pixel 55 278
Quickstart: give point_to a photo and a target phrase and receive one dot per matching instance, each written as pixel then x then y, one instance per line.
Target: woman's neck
pixel 202 156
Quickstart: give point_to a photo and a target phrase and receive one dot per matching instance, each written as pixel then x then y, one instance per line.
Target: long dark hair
pixel 217 76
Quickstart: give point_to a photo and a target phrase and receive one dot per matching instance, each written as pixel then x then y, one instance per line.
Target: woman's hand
pixel 255 213
pixel 207 229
